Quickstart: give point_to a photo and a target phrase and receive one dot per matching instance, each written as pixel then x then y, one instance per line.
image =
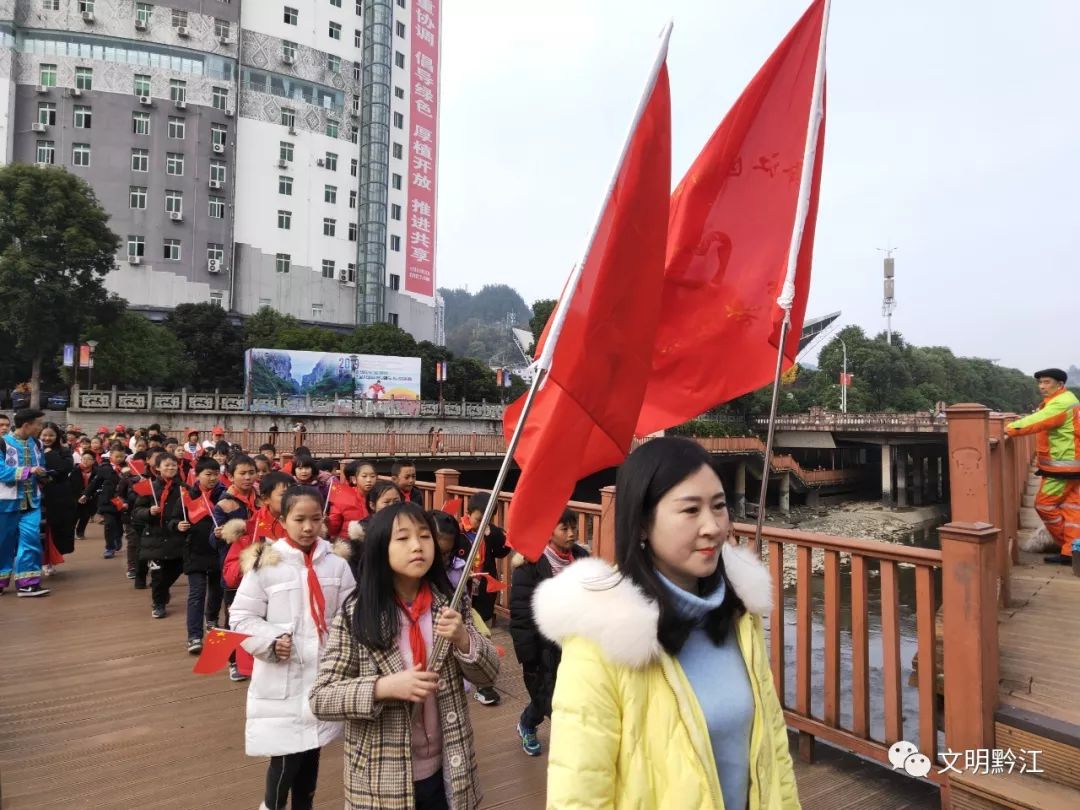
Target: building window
pixel 177 90
pixel 46 113
pixel 47 76
pixel 217 170
pixel 288 51
pixel 399 121
pixel 217 207
pixel 291 16
pixel 331 128
pixel 352 199
pixel 395 281
pixel 219 98
pixel 174 202
pixel 391 318
pixel 285 151
pixel 398 151
pixel 358 38
pixel 352 231
pixel 84 78
pixel 327 268
pixel 80 154
pixel 217 298
pixel 331 161
pixel 174 164
pixel 51 5
pixel 142 84
pixel 136 246
pixel 335 30
pixel 333 63
pixel 179 18
pixel 143 12
pixel 219 135
pixel 401 3
pixel 137 197
pixel 351 273
pixel 354 167
pixel 176 128
pixel 354 134
pixel 396 181
pixel 83 117
pixel 170 250
pixel 284 220
pixel 359 8
pixel 140 160
pixel 329 226
pixel 46 152
pixel 140 123
pixel 401 29
pixel 222 29
pixel 356 71
pixel 282 261
pixel 395 212
pixel 284 185
pixel 395 243
pixel 264 302
pixel 399 59
pixel 335 3
pixel 399 92
pixel 330 194
pixel 316 312
pixel 288 117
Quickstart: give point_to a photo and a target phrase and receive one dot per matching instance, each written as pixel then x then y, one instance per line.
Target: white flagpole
pixel 787 293
pixel 543 363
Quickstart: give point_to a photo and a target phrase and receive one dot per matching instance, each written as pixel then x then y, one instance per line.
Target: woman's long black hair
pixel 375 618
pixel 651 471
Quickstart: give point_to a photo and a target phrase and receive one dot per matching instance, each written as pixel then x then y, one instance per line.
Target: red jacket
pixel 263 526
pixel 346 505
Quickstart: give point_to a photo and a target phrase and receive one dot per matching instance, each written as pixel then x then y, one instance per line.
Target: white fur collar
pixel 590 599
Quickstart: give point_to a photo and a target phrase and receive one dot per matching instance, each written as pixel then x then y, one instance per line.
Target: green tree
pixel 542 310
pixel 380 338
pixel 263 329
pixel 55 250
pixel 134 352
pixel 212 343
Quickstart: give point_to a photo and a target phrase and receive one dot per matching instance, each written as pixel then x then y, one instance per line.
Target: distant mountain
pixel 477 324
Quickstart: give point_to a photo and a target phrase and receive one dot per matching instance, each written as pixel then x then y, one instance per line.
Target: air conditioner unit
pixel 140 25
pixel 180 104
pixel 146 101
pixel 76 92
pixel 37 126
pixel 228 113
pixel 292 130
pixel 175 216
pixel 43 88
pixel 88 16
pixel 219 148
pixel 288 58
pixel 215 184
pixel 134 259
pixel 226 40
pixel 283 164
pixel 320 162
pixel 343 276
pixel 213 266
pixel 181 31
pixel 354 113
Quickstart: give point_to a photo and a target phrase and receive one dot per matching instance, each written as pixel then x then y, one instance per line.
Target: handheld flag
pixel 493 584
pixel 119 504
pixel 195 509
pixel 217 648
pixel 143 487
pixel 137 466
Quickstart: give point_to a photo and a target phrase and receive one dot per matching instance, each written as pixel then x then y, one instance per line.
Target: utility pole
pixel 888 303
pixel 843 379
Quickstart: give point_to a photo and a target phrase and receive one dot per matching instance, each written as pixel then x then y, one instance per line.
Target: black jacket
pixel 159 535
pixel 103 486
pixel 531 648
pixel 200 550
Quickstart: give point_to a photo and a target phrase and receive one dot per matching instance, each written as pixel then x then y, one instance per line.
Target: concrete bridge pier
pixel 918 478
pixel 933 476
pixel 901 478
pixel 739 503
pixel 887 494
pixel 785 492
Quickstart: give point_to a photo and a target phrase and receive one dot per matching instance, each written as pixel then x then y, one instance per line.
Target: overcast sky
pixel 953 133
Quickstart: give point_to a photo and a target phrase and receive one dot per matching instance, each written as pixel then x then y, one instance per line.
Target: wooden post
pixel 444 479
pixel 969 606
pixel 1001 502
pixel 1016 483
pixel 969 467
pixel 605 540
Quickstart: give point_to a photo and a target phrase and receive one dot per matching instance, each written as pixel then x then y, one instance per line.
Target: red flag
pixel 732 221
pixel 453 506
pixel 217 648
pixel 493 584
pixel 144 487
pixel 591 396
pixel 119 504
pixel 137 466
pixel 196 508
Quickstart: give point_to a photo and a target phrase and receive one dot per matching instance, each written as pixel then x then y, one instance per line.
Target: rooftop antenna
pixel 888 303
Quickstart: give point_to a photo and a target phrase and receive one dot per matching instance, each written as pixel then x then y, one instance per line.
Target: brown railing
pixel 820 419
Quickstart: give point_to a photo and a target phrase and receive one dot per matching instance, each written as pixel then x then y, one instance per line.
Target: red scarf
pixel 419 606
pixel 247 500
pixel 167 484
pixel 316 600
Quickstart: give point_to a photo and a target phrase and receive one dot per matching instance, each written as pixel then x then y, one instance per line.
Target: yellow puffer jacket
pixel 627 730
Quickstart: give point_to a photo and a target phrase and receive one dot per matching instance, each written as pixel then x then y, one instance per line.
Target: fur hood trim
pixel 592 600
pixel 233 530
pixel 356 530
pixel 342 549
pixel 517 560
pixel 258 555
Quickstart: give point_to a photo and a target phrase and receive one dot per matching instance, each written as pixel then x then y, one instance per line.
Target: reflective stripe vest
pixel 1057 425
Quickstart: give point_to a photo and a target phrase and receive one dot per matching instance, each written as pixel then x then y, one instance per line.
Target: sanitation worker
pixel 1057 427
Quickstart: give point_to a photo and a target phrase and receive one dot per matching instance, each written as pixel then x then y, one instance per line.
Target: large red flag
pixel 732 222
pixel 216 650
pixel 196 508
pixel 582 419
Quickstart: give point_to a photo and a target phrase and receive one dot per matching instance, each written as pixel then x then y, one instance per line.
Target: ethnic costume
pixel 20 513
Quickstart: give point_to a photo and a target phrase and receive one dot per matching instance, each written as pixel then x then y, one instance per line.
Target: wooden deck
pixel 99 709
pixel 1040 659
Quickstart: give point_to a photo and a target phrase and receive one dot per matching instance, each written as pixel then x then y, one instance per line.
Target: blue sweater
pixel 721 684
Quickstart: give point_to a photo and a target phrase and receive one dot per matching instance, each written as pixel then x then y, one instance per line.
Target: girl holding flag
pixel 162 524
pixel 201 562
pixel 291 590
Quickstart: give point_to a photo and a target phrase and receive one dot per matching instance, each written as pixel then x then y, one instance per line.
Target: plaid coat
pixel 378 735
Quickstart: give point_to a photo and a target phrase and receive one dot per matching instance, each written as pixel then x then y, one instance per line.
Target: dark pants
pixel 203 601
pixel 131 537
pixel 162 578
pixel 484 604
pixel 539 701
pixel 114 531
pixel 430 793
pixel 85 511
pixel 292 773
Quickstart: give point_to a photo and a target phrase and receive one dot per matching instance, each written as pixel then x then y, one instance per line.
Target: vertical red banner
pixel 422 157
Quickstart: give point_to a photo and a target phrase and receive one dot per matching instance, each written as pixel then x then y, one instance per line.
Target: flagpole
pixel 543 363
pixel 787 294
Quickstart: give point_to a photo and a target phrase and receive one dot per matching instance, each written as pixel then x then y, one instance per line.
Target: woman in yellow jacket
pixel 664 698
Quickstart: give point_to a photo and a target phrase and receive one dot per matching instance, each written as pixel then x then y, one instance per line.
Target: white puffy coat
pixel 272 600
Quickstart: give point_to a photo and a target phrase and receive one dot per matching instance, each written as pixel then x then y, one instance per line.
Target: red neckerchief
pixel 86 476
pixel 417 608
pixel 166 488
pixel 246 500
pixel 562 555
pixel 316 600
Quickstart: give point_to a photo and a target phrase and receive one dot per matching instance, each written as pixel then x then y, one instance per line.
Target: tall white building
pixel 250 152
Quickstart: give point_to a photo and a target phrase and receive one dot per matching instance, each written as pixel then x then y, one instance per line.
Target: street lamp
pixel 90 368
pixel 354 362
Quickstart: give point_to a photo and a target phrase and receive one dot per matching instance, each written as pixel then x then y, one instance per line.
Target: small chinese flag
pixel 137 466
pixel 196 508
pixel 145 487
pixel 217 648
pixel 453 506
pixel 493 584
pixel 119 503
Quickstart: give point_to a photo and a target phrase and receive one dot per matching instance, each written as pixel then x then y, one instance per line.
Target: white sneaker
pixel 48 570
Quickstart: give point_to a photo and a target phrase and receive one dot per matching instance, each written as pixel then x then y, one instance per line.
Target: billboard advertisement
pixel 330 375
pixel 423 157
